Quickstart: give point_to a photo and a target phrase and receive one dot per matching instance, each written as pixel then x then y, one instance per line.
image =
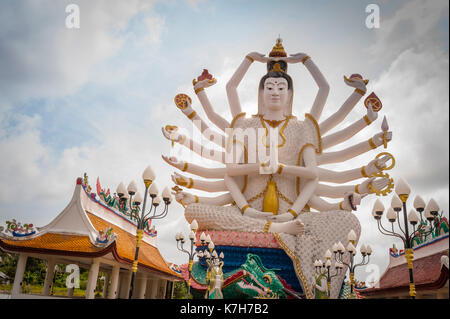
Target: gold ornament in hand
pixel 390 166
pixel 386 190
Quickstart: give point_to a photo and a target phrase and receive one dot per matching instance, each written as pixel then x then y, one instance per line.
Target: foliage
pixel 179 290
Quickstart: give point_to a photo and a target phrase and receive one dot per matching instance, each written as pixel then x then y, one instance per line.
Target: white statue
pixel 276 195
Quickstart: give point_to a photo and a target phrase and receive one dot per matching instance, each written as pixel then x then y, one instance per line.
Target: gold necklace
pixel 272 123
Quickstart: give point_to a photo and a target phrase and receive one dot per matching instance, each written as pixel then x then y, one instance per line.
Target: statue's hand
pixel 179 179
pixel 356 83
pixel 172 136
pixel 258 57
pixel 378 139
pixel 351 201
pixel 173 161
pixel 253 213
pixel 268 167
pixel 204 84
pixel 377 183
pixel 184 198
pixel 295 58
pixel 371 114
pixel 376 165
pixel 285 217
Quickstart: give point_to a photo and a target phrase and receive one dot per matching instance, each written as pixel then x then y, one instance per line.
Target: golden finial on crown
pixel 278 50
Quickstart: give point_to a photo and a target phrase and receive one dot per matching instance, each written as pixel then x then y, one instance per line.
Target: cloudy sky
pixel 93 99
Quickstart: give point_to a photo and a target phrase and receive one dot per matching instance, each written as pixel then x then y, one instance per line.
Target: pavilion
pixel 90 234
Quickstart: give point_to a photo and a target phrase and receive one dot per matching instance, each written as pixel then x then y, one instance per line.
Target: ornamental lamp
pixel 194 226
pixel 413 218
pixel 132 188
pixel 121 189
pixel 341 248
pixel 125 196
pixel 148 176
pixel 202 237
pixel 368 250
pixel 328 263
pixel 153 190
pixel 351 248
pixel 433 207
pixel 396 203
pixel 214 254
pixel 378 209
pixel 221 255
pixel 328 254
pixel 211 246
pixel 402 189
pixel 351 236
pixel 363 250
pixel 335 248
pixel 156 201
pixel 200 253
pixel 191 235
pixel 208 239
pixel 419 204
pixel 167 197
pixel 391 215
pixel 138 198
pixel 428 215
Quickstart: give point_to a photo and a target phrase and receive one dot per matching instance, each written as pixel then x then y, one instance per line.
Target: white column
pixel 49 276
pixel 112 293
pixel 106 284
pixel 141 288
pixel 92 279
pixel 163 288
pixel 125 285
pixel 154 289
pixel 20 270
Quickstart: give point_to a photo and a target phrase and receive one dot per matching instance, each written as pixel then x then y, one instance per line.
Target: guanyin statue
pixel 271 177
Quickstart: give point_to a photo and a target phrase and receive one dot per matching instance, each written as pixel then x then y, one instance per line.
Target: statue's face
pixel 275 93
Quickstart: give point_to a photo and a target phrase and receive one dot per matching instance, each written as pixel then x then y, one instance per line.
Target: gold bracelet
pixel 250 58
pixel 267 226
pixel 280 169
pixel 340 206
pixel 372 144
pixel 292 212
pixel 366 118
pixel 244 208
pixel 192 115
pixel 363 172
pixel 198 90
pixel 305 58
pixel 357 189
pixel 360 91
pixel 191 183
pixel 196 198
pixel 185 167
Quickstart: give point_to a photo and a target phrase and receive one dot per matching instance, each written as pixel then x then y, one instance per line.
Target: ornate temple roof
pixel 81 230
pixel 429 271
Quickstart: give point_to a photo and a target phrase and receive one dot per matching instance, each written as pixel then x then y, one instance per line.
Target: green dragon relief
pixel 251 280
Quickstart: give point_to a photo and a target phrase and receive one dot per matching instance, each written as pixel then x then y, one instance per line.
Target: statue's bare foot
pixel 293 227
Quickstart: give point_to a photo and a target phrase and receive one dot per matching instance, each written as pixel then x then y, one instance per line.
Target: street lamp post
pixel 133 199
pixel 319 265
pixel 398 204
pixel 339 251
pixel 214 262
pixel 181 239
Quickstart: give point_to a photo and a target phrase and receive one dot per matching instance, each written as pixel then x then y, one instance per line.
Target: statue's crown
pixel 278 50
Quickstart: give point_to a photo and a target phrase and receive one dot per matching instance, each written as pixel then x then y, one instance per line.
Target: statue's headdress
pixel 277 52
